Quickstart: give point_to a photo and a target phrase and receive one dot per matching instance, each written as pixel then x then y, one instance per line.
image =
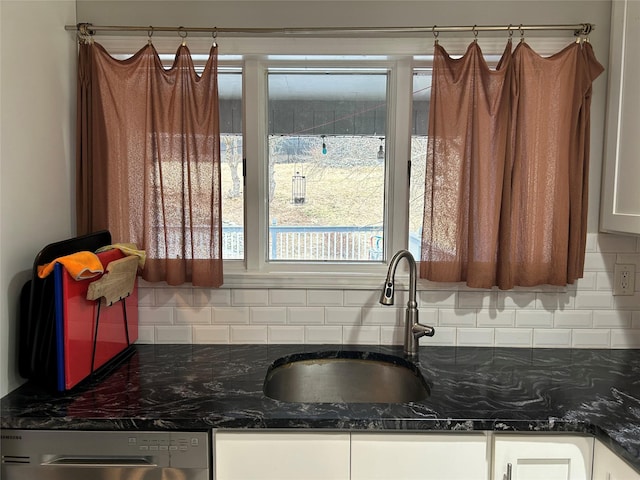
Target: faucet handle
pixel 420 330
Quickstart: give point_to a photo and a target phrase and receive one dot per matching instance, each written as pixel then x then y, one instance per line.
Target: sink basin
pixel 344 377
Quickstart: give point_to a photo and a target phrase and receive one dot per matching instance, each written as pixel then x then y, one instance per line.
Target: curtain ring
pixel 85 34
pixel 475 33
pixel 214 34
pixel 521 33
pixel 510 31
pixel 149 34
pixel 435 34
pixel 182 33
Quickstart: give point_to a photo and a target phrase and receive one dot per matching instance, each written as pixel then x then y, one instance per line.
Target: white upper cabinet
pixel 621 174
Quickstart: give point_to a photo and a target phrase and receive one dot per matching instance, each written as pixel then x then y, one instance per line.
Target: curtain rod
pixel 88 29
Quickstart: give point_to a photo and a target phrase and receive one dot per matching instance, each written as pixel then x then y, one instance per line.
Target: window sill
pixel 351 277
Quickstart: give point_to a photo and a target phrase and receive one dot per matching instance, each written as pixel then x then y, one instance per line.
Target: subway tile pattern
pixel 582 315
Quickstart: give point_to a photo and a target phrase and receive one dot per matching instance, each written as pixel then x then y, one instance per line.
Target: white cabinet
pixel 356 456
pixel 281 456
pixel 608 466
pixel 319 455
pixel 620 201
pixel 535 457
pixel 409 456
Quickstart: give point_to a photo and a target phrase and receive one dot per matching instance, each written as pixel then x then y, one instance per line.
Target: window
pixel 419 122
pixel 326 165
pixel 232 173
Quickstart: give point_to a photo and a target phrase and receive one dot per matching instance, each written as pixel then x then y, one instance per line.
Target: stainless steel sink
pixel 345 377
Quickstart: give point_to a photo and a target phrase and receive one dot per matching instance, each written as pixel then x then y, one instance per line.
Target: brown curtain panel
pixel 507 167
pixel 148 160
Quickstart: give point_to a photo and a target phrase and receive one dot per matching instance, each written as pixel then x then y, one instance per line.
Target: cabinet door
pixel 391 456
pixel 535 457
pixel 620 195
pixel 281 456
pixel 608 466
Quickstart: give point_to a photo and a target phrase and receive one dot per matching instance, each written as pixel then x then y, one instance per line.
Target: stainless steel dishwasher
pixel 104 455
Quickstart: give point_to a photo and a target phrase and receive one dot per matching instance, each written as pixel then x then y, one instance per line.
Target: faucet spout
pixel 413 329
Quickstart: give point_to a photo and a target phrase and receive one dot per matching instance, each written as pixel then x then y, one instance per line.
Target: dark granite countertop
pixel 197 387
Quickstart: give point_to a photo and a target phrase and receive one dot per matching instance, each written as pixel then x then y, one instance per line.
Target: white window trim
pixel 255 271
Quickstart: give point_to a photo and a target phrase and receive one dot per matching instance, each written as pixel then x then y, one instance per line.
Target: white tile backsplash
pixel 174 297
pixel 361 335
pixel 583 315
pixel 268 315
pixel 342 315
pixel 288 297
pixel 456 317
pixel 611 319
pixel 477 299
pixel 625 339
pixel 573 319
pixel 591 338
pixel 391 335
pixel 213 296
pixel 146 297
pixel 594 300
pixel 155 315
pixel 481 337
pixel 325 298
pixel 285 334
pixel 174 334
pixel 192 316
pixel 534 319
pixel 249 296
pixel 513 337
pixel 552 338
pixel 230 315
pixel 216 334
pixel 324 334
pixel 616 244
pixel 383 316
pixel 248 334
pixel 445 336
pixel 360 298
pixel 146 334
pixel 517 300
pixel 495 318
pixel 437 299
pixel 305 315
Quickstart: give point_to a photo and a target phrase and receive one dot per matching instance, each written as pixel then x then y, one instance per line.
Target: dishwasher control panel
pixel 183 447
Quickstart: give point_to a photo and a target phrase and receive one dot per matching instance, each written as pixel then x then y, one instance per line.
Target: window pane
pixel 230 94
pixel 327 166
pixel 420 110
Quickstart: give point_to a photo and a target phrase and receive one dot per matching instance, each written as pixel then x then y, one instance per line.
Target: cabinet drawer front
pixel 418 456
pixel 281 456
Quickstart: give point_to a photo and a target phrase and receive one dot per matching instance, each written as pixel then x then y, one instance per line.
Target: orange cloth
pixel 80 265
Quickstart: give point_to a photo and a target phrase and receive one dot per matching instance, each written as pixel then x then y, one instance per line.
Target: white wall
pixel 37 98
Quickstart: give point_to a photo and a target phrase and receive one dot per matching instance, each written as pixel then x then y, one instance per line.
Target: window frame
pixel 257 269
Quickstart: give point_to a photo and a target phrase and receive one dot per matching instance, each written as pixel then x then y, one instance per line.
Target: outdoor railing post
pixel 274 238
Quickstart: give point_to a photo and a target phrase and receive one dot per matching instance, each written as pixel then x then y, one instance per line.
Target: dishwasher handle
pixel 99 461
